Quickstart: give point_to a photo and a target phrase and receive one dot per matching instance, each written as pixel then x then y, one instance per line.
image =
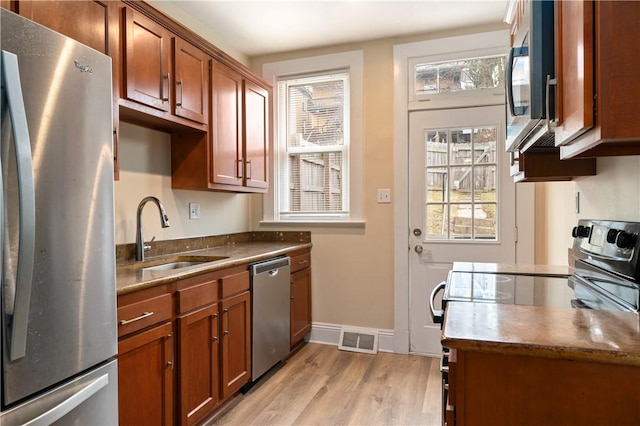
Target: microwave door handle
pixel 510 104
pixel 550 122
pixel 26 195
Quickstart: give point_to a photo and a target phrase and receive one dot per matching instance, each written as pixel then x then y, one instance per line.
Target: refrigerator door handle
pixel 24 165
pixel 71 403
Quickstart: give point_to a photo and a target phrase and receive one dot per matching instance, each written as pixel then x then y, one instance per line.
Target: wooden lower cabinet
pixel 145 377
pixel 300 305
pixel 184 348
pixel 236 342
pixel 198 349
pixel 300 316
pixel 497 388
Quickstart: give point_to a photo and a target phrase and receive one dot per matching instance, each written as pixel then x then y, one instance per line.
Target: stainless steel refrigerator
pixel 59 334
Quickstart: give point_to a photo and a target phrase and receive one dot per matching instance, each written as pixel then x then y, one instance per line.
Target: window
pixel 316 156
pixel 460 75
pixel 461 177
pixel 313 141
pixel 455 80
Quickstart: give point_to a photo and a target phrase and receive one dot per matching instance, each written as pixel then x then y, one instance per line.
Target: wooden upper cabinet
pixel 191 81
pixel 64 17
pixel 235 157
pixel 226 161
pixel 97 28
pixel 256 135
pixel 574 68
pixel 597 72
pixel 146 53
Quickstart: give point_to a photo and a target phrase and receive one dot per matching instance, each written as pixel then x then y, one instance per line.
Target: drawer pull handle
pixel 302 262
pixel 138 318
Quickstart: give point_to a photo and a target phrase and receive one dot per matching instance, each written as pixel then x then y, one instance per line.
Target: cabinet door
pixel 226 125
pixel 191 81
pixel 85 21
pixel 574 69
pixel 300 305
pixel 97 29
pixel 199 361
pixel 236 342
pixel 256 135
pixel 145 378
pixel 146 61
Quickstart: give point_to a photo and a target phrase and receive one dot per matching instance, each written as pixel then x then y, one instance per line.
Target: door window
pixel 460 183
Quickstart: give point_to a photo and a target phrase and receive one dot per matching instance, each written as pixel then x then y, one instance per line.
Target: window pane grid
pixel 461 177
pixel 313 173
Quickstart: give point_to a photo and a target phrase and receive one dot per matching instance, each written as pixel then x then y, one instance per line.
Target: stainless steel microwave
pixel 530 73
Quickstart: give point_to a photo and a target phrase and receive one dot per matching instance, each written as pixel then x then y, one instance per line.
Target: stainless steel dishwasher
pixel 270 286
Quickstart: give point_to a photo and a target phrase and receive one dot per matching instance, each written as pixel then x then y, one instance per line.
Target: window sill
pixel 315 223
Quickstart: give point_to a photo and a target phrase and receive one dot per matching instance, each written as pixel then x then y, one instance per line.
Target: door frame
pixel 465 45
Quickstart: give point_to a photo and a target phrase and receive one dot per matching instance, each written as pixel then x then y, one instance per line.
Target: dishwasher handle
pixel 270 266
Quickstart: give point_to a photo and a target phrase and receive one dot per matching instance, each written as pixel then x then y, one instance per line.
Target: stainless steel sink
pixel 170 263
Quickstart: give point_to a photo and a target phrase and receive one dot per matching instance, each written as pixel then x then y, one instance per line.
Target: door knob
pixel 418 249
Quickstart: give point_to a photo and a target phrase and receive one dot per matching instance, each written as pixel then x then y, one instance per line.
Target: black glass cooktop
pixel 537 290
pixel 509 289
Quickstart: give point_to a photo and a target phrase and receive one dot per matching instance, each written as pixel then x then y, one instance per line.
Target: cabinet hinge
pixel 515 234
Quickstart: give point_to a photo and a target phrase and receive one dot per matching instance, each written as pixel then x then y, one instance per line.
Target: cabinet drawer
pixel 232 284
pixel 300 262
pixel 197 296
pixel 139 315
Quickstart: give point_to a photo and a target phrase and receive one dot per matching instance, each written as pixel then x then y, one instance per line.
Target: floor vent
pixel 358 340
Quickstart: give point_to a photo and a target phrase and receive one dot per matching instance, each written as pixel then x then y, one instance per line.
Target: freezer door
pixel 91 399
pixel 66 322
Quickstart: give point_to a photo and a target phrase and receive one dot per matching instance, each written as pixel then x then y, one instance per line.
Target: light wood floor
pixel 321 385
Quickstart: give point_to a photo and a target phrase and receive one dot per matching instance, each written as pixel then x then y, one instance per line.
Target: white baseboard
pixel 329 334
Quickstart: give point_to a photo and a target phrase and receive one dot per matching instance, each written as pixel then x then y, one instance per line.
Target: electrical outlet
pixel 384 196
pixel 194 211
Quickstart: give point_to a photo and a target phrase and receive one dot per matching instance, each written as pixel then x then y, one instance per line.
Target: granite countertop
pixel 505 268
pixel 550 332
pixel 233 251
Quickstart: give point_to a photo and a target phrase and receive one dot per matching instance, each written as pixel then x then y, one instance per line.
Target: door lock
pixel 417 232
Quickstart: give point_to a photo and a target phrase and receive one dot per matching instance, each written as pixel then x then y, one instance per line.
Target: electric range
pixel 606 277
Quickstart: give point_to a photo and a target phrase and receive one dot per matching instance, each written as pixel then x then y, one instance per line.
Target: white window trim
pixel 354 61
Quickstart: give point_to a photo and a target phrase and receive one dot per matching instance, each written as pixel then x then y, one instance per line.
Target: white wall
pixel 145 169
pixel 614 193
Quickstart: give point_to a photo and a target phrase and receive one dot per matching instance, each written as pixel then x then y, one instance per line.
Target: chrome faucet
pixel 141 247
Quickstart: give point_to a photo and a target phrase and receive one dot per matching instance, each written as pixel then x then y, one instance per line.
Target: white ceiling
pixel 262 27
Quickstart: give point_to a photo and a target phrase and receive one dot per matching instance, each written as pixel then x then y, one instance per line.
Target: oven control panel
pixel 609 245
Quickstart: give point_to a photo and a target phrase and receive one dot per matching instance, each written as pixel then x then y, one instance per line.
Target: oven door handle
pixel 437 315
